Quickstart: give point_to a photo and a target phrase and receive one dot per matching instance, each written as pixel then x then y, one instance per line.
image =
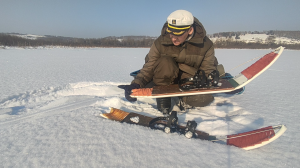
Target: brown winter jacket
pixel 197 53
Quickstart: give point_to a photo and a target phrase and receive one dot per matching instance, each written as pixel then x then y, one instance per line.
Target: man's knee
pixel 165 70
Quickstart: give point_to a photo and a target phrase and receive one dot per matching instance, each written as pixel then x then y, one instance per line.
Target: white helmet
pixel 179 22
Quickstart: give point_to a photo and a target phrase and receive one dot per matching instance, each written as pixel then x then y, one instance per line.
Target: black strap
pixel 199 80
pixel 154 120
pixel 213 78
pixel 171 120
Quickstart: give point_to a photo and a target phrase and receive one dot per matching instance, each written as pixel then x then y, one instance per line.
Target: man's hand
pixel 128 89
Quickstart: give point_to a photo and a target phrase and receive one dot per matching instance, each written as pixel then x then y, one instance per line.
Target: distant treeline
pixel 127 41
pixel 12 40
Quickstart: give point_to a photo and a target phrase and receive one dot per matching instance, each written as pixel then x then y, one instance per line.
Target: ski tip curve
pixel 282 128
pixel 115 114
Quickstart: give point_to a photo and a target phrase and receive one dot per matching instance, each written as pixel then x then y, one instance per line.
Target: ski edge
pixel 186 94
pixel 282 128
pixel 277 135
pixel 279 51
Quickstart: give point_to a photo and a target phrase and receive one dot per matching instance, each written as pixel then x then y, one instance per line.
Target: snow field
pixel 51 100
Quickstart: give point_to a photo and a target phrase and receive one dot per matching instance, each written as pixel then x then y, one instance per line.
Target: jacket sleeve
pixel 209 62
pixel 146 73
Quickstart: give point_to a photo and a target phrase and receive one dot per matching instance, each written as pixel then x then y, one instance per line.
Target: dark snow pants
pixel 166 72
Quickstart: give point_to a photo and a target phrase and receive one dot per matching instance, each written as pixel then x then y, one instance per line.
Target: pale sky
pixel 102 18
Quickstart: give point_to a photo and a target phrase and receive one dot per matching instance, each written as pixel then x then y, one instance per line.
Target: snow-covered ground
pixel 261 38
pixel 51 100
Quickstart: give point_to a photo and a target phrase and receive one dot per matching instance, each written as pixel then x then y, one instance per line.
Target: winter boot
pixel 198 100
pixel 164 105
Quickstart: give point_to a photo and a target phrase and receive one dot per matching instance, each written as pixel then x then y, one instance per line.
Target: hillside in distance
pixel 278 37
pixel 265 39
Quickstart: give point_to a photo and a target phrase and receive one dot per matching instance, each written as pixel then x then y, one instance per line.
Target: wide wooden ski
pixel 247 140
pixel 225 85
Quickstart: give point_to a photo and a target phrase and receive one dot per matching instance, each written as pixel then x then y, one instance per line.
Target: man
pixel 179 52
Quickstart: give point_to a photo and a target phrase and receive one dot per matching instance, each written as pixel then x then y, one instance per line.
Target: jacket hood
pixel 199 33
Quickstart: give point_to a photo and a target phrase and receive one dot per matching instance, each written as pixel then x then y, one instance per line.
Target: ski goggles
pixel 177 30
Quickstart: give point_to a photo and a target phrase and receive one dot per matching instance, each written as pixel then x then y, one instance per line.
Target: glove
pixel 128 89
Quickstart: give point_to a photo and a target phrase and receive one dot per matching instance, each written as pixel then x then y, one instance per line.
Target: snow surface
pixel 262 38
pixel 51 100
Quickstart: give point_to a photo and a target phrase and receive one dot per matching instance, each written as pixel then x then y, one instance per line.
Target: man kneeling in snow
pixel 179 52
